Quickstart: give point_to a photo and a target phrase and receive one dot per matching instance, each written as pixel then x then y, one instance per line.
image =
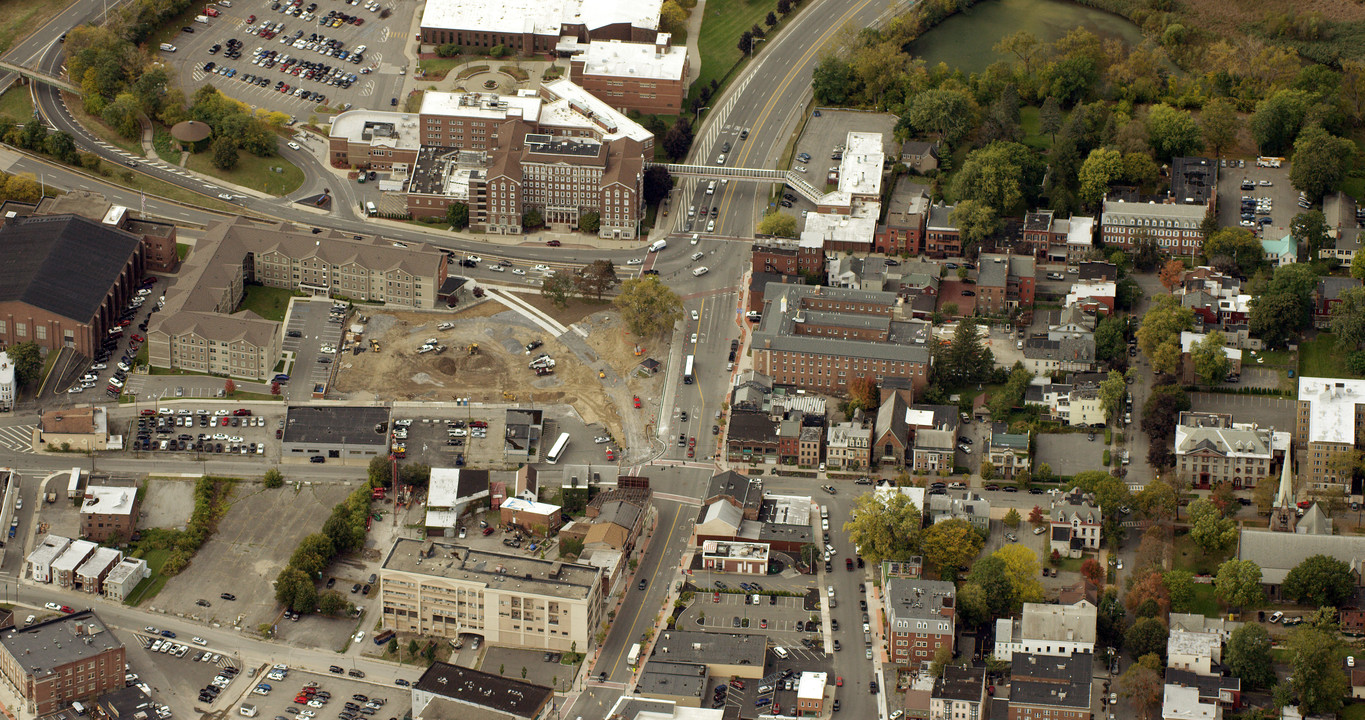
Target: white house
pixel 1051 630
pixel 6 382
pixel 1076 521
pixel 1198 652
pixel 1183 703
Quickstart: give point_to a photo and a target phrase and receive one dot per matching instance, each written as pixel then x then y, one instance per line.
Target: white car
pixel 696 315
pixel 830 591
pixel 76 389
pixel 541 268
pixel 294 146
pixel 359 635
pixel 518 271
pixel 601 439
pixel 199 641
pixel 635 261
pixel 474 259
pixel 99 366
pixel 52 606
pixel 495 268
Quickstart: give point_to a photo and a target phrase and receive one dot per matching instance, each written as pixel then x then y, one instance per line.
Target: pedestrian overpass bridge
pixel 41 77
pixel 754 175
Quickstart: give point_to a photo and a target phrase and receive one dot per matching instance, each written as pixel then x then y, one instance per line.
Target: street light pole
pixel 697 114
pixel 753 44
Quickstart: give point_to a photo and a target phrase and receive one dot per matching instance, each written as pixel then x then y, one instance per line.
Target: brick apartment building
pixel 66 280
pixel 1173 220
pixel 1330 420
pixel 1050 687
pixel 62 660
pixel 821 338
pixel 562 152
pixel 920 618
pixel 648 78
pixel 902 233
pixel 109 512
pixel 787 257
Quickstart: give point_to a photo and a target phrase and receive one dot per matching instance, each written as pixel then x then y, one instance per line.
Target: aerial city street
pixel 932 359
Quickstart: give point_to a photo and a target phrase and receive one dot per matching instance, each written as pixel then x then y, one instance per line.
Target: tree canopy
pixel 647 306
pixel 949 545
pixel 1319 580
pixel 885 528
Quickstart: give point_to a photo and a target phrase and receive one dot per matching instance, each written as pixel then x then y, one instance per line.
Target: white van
pixel 711 188
pixel 781 652
pixel 167 47
pixel 700 271
pixel 202 19
pixel 697 255
pixel 370 209
pixel 658 245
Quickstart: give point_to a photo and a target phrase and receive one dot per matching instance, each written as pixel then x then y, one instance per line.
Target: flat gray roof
pixel 336 425
pixel 695 646
pixel 47 645
pixel 511 572
pixel 665 677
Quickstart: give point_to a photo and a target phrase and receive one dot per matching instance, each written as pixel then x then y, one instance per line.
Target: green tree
pixel 672 18
pixel 1171 132
pixel 1050 117
pixel 595 279
pixel 1238 584
pixel 965 359
pixel 833 81
pixel 1358 266
pixel 1220 125
pixel 1012 518
pixel 331 602
pixel 1110 344
pixel 1282 307
pixel 1003 175
pixel 1156 501
pixel 1212 532
pixel 272 478
pixel 1277 121
pixel 647 306
pixel 532 220
pixel 885 529
pixel 1211 364
pixel 1022 570
pixel 1321 161
pixel 1238 244
pixel 589 222
pixel 987 470
pixel 777 224
pixel 944 113
pixel 1319 580
pixel 972 604
pixel 457 215
pixel 678 140
pixel 657 183
pixel 1309 229
pixel 1147 635
pixel 1110 492
pixel 379 471
pixel 558 289
pixel 949 545
pixel 28 361
pixel 1159 335
pixel 1180 587
pixel 294 589
pixel 224 153
pixel 976 221
pixel 1112 392
pixel 1248 656
pixel 1348 319
pixel 313 554
pixel 1102 168
pixel 1315 663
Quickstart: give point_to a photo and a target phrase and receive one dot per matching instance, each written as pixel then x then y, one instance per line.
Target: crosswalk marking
pixel 17 438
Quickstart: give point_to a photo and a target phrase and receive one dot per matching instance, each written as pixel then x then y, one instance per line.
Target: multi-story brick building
pixel 59 661
pixel 1211 449
pixel 1174 227
pixel 960 694
pixel 66 281
pixel 849 446
pixel 810 694
pixel 1043 686
pixel 902 232
pixel 109 512
pixel 650 78
pixel 528 27
pixel 1005 282
pixel 920 618
pixel 942 238
pixel 440 589
pixel 787 257
pixel 561 152
pixel 820 338
pixel 200 330
pixel 1330 421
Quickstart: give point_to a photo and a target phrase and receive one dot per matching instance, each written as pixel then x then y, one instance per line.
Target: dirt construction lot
pixel 399 372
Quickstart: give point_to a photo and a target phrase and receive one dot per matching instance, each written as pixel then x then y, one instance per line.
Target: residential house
pixel 1075 523
pixel 1225 691
pixel 942 238
pixel 810 446
pixel 1056 687
pixel 849 446
pixel 961 505
pixel 934 450
pixel 920 618
pixel 1047 630
pixel 902 232
pixel 920 156
pixel 1198 652
pixel 1093 296
pixel 1327 295
pixel 1184 703
pixel 1282 251
pixel 1008 452
pixel 960 694
pixel 1075 352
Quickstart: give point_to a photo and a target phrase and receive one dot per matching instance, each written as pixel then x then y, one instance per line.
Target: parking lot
pixel 312 328
pixel 777 687
pixel 453 440
pixel 339 692
pixel 252 544
pixel 105 374
pixel 542 668
pixel 176 679
pixel 203 430
pixel 1283 198
pixel 292 42
pixel 1070 453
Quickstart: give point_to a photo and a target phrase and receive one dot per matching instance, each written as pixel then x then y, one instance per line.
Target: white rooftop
pixel 74 555
pixel 1188 339
pixel 1080 291
pixel 822 228
pixel 1182 703
pixel 100 560
pixel 916 494
pixel 1333 408
pixel 575 107
pixel 6 370
pixel 1200 644
pixel 48 550
pixel 490 106
pixel 1081 232
pixel 516 504
pixel 539 17
pixel 127 566
pixel 103 500
pixel 352 123
pixel 919 418
pixel 812 686
pixel 620 59
pixel 860 171
pixel 443 490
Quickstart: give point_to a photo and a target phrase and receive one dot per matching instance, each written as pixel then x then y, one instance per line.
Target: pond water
pixel 964 41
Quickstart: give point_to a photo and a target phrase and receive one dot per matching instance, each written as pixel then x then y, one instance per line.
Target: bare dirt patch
pixel 399 372
pixel 571 313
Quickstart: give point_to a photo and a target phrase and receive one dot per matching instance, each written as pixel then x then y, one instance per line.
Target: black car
pixel 228 596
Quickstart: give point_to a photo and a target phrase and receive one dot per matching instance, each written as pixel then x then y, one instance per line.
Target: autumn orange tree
pixel 863 393
pixel 1171 273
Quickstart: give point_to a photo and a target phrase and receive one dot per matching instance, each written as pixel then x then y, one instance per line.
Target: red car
pixel 488 531
pixel 553 243
pixel 611 454
pixel 690 453
pixel 301 700
pixel 147 411
pixel 241 412
pixel 715 597
pixel 251 18
pixel 138 338
pixel 637 401
pixel 224 422
pixel 691 442
pixel 838 682
pixel 125 323
pixel 67 609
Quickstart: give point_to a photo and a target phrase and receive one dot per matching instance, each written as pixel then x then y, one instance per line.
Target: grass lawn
pixel 719 37
pixel 18 19
pixel 16 106
pixel 252 171
pixel 1070 564
pixel 1033 136
pixel 268 302
pixel 1275 358
pixel 98 127
pixel 1188 556
pixel 1205 601
pixel 1320 358
pixel 182 251
pixel 148 588
pixel 252 397
pixel 436 68
pixel 1354 711
pixel 165 145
